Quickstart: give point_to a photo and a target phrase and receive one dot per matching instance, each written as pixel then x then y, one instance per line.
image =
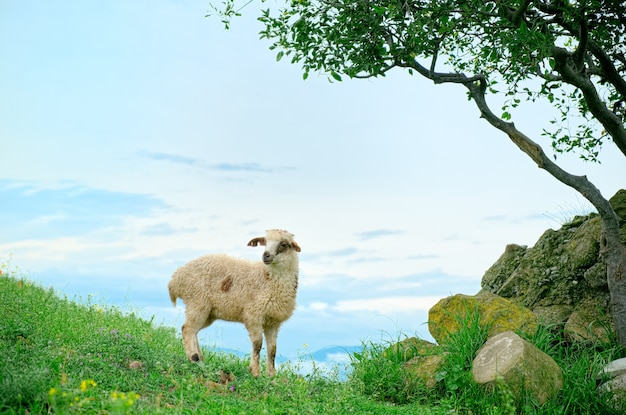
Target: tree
pixel 570 52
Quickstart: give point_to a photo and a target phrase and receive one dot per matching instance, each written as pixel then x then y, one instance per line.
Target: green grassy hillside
pixel 60 356
pixel 63 357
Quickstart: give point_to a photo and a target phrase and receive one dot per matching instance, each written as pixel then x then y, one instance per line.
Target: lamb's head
pixel 279 246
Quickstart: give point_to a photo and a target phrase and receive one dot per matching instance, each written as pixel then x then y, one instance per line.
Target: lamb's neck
pixel 286 274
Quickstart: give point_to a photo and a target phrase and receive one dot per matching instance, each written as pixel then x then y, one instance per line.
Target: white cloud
pixel 387 305
pixel 315 306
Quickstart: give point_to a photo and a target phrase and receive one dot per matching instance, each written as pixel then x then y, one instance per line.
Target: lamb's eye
pixel 283 246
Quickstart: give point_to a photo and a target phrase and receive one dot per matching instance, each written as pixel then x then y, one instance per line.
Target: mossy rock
pixel 618 202
pixel 553 272
pixel 422 360
pixel 409 348
pixel 495 314
pixel 589 322
pixel 423 370
pixel 553 316
pixel 583 247
pixel 596 277
pixel 499 272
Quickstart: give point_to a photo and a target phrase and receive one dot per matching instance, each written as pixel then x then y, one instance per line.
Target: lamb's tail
pixel 173 295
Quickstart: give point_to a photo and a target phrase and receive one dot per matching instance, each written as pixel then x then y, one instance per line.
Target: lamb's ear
pixel 295 246
pixel 256 241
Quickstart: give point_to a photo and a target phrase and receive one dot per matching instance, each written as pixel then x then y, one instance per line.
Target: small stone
pixel 135 364
pixel 613 369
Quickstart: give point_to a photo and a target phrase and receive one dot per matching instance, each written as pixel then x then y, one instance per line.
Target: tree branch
pixel 579 54
pixel 441 77
pixel 517 15
pixel 609 72
pixel 610 121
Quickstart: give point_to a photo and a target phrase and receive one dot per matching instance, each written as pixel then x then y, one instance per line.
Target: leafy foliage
pixel 572 54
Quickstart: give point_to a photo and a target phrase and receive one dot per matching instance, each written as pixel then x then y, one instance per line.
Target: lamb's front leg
pixel 256 337
pixel 271 333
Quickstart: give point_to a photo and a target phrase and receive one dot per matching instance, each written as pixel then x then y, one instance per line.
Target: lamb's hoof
pixel 195 357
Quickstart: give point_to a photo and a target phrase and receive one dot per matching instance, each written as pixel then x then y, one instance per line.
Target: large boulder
pixel 495 314
pixel 520 365
pixel 422 360
pixel 499 272
pixel 612 379
pixel 423 370
pixel 409 348
pixel 589 323
pixel 562 278
pixel 552 272
pixel 618 203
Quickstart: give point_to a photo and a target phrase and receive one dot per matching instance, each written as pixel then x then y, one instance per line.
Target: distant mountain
pixel 325 355
pixel 325 359
pixel 335 354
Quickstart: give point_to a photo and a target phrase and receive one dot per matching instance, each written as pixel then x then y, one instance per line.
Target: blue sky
pixel 138 135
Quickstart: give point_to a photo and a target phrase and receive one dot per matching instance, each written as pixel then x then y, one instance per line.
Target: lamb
pixel 259 294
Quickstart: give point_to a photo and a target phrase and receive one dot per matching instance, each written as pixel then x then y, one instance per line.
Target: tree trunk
pixel 614 254
pixel 612 249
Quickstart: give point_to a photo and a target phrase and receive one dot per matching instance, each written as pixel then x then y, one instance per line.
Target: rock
pixel 495 313
pixel 508 358
pixel 617 385
pixel 589 323
pixel 617 388
pixel 613 369
pixel 422 360
pixel 583 247
pixel 595 276
pixel 618 203
pixel 135 364
pixel 564 268
pixel 553 316
pixel 552 271
pixel 422 370
pixel 409 348
pixel 499 272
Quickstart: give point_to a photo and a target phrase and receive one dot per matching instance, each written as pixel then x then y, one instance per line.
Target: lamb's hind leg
pixel 196 318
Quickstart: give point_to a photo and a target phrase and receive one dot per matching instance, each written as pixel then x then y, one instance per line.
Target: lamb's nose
pixel 267 258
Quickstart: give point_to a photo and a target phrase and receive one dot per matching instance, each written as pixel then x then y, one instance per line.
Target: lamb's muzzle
pixel 259 294
pixel 267 258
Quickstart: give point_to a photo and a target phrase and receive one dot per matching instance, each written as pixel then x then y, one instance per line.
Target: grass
pixel 380 372
pixel 67 357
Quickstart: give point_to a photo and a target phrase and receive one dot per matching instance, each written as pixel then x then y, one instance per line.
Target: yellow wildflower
pixel 85 384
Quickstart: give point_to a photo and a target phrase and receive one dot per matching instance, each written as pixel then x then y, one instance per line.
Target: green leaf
pixel 335 76
pixel 279 55
pixel 305 75
pixel 506 115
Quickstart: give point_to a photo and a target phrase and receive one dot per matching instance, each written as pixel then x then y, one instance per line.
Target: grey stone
pixel 613 369
pixel 518 363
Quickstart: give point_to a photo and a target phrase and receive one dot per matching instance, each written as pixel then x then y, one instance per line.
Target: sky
pixel 136 136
